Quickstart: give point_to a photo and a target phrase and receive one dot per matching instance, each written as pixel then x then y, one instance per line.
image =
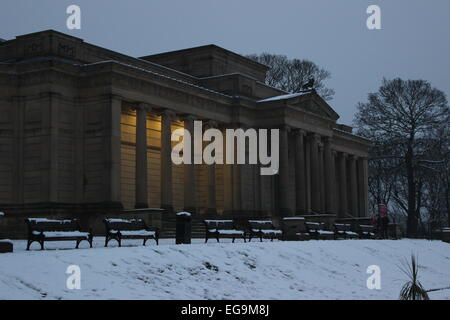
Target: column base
pixel 141 205
pixel 285 212
pixel 211 211
pixel 190 209
pixel 167 208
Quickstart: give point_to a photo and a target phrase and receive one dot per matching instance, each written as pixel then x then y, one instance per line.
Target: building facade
pixel 85 129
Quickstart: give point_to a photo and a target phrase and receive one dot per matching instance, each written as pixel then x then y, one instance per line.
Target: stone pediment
pixel 313 103
pixel 320 108
pixel 309 101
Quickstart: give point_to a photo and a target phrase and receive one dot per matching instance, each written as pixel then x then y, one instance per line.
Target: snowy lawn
pixel 278 270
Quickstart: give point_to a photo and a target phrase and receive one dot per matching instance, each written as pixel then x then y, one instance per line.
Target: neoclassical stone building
pixel 85 129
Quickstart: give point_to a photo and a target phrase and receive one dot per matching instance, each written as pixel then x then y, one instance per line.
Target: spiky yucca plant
pixel 413 289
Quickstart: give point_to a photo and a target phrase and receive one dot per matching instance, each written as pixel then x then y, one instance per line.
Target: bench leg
pixel 157 241
pixel 78 243
pixel 145 240
pixel 106 241
pixel 260 239
pixel 250 238
pixel 217 239
pixel 206 239
pixel 42 244
pixel 232 241
pixel 90 241
pixel 244 239
pixel 29 244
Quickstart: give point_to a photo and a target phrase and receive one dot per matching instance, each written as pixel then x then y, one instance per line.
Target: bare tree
pixel 404 116
pixel 291 74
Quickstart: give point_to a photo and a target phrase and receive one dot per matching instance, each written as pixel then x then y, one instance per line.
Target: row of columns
pixel 141 173
pixel 320 186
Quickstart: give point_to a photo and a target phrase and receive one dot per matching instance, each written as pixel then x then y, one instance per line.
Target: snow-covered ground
pixel 278 270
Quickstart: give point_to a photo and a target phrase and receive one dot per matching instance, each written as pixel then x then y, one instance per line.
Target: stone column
pixel 166 160
pixel 314 167
pixel 343 201
pixel 189 171
pixel 321 179
pixel 363 191
pixel 300 172
pixel 141 191
pixel 113 154
pixel 283 186
pixel 329 176
pixel 236 178
pixel 211 173
pixel 308 174
pixel 227 170
pixel 334 184
pixel 353 187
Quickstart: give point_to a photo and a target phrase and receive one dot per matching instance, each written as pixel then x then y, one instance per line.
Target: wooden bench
pixel 366 232
pixel 222 229
pixel 317 231
pixel 42 229
pixel 263 229
pixel 343 230
pixel 119 229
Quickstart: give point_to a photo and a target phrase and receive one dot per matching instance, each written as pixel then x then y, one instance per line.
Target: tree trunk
pixel 411 228
pixel 447 200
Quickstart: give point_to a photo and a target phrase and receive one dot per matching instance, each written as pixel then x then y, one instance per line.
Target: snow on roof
pixel 156 74
pixel 285 96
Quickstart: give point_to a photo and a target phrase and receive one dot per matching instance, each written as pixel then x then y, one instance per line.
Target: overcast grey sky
pixel 414 41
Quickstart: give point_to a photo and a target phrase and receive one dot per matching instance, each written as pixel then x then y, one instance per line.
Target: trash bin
pixel 446 235
pixel 5 244
pixel 294 229
pixel 183 228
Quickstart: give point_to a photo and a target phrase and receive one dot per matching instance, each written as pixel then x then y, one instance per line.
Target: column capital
pixel 234 125
pixel 353 157
pixel 211 124
pixel 327 139
pixel 168 113
pixel 143 106
pixel 188 117
pixel 285 127
pixel 300 132
pixel 314 136
pixel 343 154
